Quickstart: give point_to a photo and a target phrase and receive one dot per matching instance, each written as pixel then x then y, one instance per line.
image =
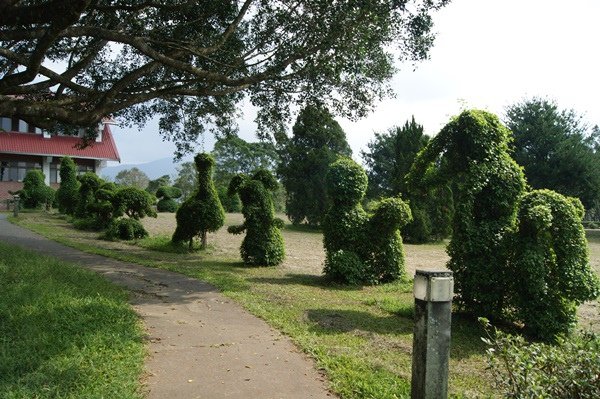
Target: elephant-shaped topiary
pixel 361 247
pixel 263 244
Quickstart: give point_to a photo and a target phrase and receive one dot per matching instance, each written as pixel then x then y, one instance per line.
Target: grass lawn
pixel 65 332
pixel 361 337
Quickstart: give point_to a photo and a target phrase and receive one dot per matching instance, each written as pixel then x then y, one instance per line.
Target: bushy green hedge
pixel 134 202
pixel 202 212
pixel 361 247
pixel 263 244
pixel 67 194
pixel 550 264
pixel 515 256
pixel 126 229
pixel 35 192
pixel 167 196
pixel 566 370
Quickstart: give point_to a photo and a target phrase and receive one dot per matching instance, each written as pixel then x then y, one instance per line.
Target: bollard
pixel 433 291
pixel 16 206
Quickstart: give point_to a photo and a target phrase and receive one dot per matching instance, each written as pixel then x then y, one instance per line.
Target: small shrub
pixel 570 369
pixel 347 268
pixel 35 192
pixel 167 195
pixel 126 229
pixel 134 202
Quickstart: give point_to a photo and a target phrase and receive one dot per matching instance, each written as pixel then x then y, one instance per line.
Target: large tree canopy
pixel 72 62
pixel 556 148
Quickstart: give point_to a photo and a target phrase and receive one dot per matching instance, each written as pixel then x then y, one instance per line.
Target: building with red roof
pixel 24 147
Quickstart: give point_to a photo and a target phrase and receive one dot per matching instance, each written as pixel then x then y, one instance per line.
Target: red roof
pixel 57 146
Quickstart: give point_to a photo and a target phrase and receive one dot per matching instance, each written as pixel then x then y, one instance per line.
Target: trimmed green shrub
pixel 126 229
pixel 89 183
pixel 202 212
pixel 134 202
pixel 550 263
pixel 67 194
pixel 569 369
pixel 167 196
pixel 35 193
pixel 97 205
pixel 263 244
pixel 530 269
pixel 361 247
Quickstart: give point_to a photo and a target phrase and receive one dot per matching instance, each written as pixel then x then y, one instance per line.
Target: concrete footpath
pixel 201 344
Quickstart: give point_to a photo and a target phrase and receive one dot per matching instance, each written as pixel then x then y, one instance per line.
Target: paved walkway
pixel 201 344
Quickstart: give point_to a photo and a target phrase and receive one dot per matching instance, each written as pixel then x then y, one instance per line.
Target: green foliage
pixel 35 192
pixel 126 229
pixel 98 204
pixel 202 212
pixel 134 202
pixel 235 156
pixel 550 263
pixel 132 178
pixel 167 195
pixel 317 141
pixel 515 256
pixel 263 244
pixel 570 369
pixel 557 150
pixel 154 185
pixel 279 57
pixel 231 203
pixel 388 161
pixel 68 192
pixel 187 179
pixel 361 247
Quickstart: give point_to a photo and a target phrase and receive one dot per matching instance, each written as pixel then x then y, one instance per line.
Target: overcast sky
pixel 488 54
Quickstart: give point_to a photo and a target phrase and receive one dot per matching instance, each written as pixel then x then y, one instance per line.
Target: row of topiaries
pixel 99 205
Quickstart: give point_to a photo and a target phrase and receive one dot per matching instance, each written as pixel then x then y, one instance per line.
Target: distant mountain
pixel 154 169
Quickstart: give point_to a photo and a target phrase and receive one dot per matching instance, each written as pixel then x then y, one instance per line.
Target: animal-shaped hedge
pixel 202 212
pixel 263 244
pixel 505 266
pixel 361 247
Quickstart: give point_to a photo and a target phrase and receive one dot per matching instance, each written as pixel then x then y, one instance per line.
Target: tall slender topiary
pixel 515 256
pixel 202 212
pixel 263 244
pixel 361 247
pixel 68 192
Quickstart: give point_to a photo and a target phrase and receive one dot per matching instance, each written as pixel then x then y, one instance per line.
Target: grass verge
pixel 65 332
pixel 360 336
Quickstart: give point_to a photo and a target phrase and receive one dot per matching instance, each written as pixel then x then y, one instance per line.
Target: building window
pixel 16 171
pixel 54 168
pixel 5 124
pixel 81 169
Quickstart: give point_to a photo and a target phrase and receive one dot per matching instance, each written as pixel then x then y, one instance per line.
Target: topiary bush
pixel 550 263
pixel 202 212
pixel 361 247
pixel 167 196
pixel 126 229
pixel 512 258
pixel 263 244
pixel 67 194
pixel 97 205
pixel 134 202
pixel 35 192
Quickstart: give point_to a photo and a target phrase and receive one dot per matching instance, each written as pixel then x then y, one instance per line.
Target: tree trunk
pixel 203 238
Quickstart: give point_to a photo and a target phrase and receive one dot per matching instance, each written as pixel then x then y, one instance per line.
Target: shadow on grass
pixel 309 280
pixel 334 321
pixel 466 333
